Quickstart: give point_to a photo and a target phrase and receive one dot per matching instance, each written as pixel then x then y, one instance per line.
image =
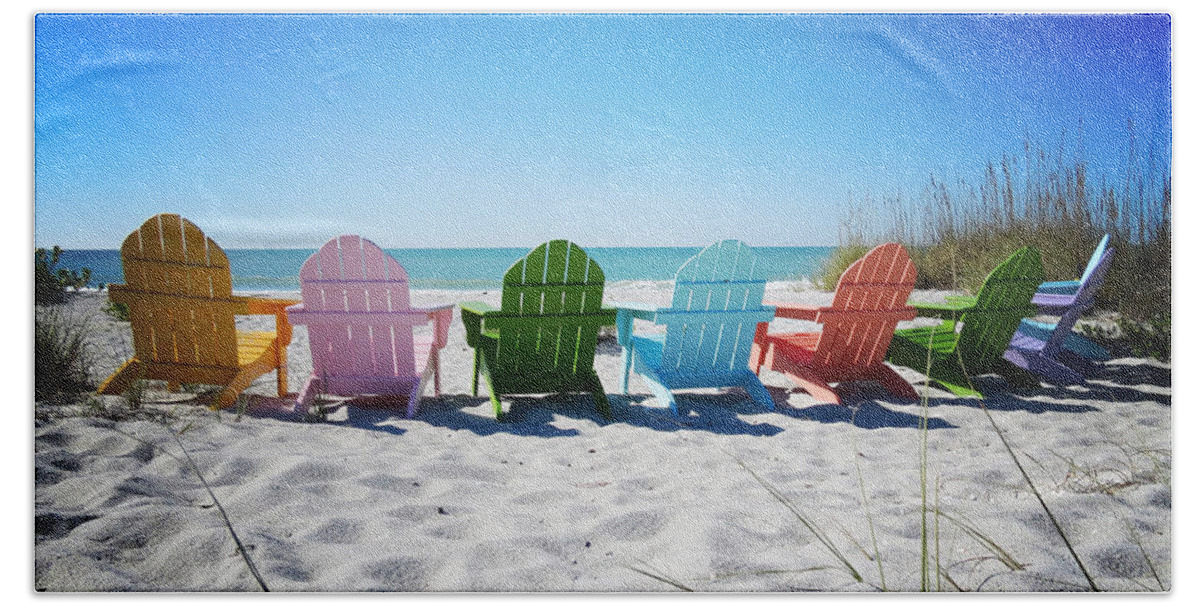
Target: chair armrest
pixel 442 317
pixel 472 318
pixel 783 310
pixel 277 308
pixel 639 310
pixel 1057 304
pixel 626 313
pixel 950 310
pixel 965 300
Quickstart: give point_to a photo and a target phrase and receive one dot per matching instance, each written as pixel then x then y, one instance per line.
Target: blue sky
pixel 508 130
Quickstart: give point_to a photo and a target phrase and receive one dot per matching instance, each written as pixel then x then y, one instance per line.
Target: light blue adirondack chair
pixel 1045 352
pixel 715 310
pixel 1073 342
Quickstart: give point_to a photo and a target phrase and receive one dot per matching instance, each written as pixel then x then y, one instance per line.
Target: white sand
pixel 559 500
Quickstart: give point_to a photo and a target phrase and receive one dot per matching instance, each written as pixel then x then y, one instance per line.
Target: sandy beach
pixel 728 497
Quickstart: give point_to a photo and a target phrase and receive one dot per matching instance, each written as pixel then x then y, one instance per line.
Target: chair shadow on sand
pixel 1107 382
pixel 865 406
pixel 860 407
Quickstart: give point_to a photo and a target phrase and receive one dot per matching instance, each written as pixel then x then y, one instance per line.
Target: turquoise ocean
pixel 463 269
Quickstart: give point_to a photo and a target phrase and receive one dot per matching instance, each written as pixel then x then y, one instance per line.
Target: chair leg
pixel 804 377
pixel 660 390
pixel 627 355
pixel 894 383
pixel 758 350
pixel 414 397
pixel 281 379
pixel 430 371
pixel 241 382
pixel 600 397
pixel 116 384
pixel 954 381
pixel 307 394
pixel 1017 365
pixel 487 379
pixel 475 375
pixel 754 387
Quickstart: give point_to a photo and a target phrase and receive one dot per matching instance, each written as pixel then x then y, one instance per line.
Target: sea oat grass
pixel 62 357
pixel 957 232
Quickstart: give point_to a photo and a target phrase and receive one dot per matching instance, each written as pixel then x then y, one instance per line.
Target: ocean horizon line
pixel 277 270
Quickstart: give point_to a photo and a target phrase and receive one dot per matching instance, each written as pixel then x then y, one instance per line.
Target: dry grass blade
pixel 662 579
pixel 821 536
pixel 862 490
pixel 1004 556
pixel 221 509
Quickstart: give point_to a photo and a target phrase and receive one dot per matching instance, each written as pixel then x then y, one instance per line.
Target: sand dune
pixel 728 497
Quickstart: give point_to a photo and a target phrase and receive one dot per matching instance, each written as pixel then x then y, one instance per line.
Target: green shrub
pixel 61 356
pixel 50 283
pixel 116 310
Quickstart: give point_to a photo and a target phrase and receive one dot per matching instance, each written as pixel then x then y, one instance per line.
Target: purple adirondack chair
pixel 1047 354
pixel 360 325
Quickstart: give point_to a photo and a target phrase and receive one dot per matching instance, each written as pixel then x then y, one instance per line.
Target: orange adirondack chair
pixel 858 327
pixel 181 310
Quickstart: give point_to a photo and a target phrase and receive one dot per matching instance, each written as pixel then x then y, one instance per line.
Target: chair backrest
pixel 1095 259
pixel 179 293
pixel 871 297
pixel 547 320
pixel 715 309
pixel 1004 299
pixel 1084 298
pixel 356 307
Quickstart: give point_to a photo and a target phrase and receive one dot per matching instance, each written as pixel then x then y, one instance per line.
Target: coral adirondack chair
pixel 360 325
pixel 1046 355
pixel 858 326
pixel 989 321
pixel 543 337
pixel 710 324
pixel 1046 293
pixel 181 310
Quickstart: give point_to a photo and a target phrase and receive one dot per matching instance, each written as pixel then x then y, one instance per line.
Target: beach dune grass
pixel 957 234
pixel 61 353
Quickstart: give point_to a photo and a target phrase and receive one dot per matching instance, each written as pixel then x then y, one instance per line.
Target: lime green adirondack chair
pixel 989 321
pixel 543 337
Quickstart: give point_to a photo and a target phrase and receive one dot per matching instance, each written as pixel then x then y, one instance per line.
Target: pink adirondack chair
pixel 870 299
pixel 360 325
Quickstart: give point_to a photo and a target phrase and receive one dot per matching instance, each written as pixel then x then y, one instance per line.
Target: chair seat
pixel 1023 341
pixel 944 337
pixel 252 344
pixel 1059 287
pixel 800 347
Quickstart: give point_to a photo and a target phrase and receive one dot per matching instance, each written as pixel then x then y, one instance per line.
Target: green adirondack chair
pixel 543 337
pixel 989 321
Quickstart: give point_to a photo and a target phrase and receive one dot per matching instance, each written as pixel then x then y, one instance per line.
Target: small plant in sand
pixel 116 310
pixel 1148 338
pixel 135 395
pixel 242 405
pixel 50 283
pixel 61 353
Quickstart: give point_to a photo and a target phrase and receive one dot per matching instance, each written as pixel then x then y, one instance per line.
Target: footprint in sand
pixel 407 486
pixel 233 472
pixel 399 574
pixel 638 525
pixel 49 526
pixel 337 531
pixel 313 472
